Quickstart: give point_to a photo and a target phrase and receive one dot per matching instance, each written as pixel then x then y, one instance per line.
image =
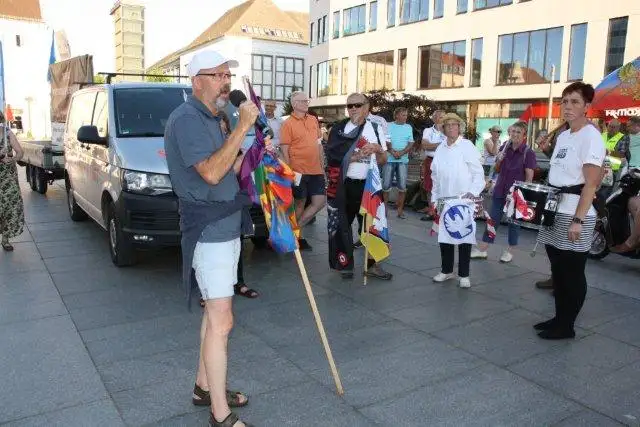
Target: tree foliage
pixel 99 79
pixel 288 108
pixel 384 102
pixel 159 77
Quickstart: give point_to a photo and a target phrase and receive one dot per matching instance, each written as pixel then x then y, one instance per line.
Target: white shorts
pixel 216 267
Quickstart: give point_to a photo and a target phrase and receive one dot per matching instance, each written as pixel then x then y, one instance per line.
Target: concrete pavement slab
pixel 102 413
pixel 487 396
pixel 44 361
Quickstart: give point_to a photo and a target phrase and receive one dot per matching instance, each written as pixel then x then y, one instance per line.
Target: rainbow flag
pixel 372 207
pixel 269 181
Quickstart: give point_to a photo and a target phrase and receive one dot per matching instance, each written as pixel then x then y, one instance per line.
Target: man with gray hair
pixel 213 215
pixel 301 145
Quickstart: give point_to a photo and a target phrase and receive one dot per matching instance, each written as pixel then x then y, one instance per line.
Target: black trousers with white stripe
pixel 569 284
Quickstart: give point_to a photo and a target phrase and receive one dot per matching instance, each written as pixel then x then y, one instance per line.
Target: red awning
pixel 540 110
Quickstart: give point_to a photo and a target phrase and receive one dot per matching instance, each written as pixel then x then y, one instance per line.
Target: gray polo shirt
pixel 193 134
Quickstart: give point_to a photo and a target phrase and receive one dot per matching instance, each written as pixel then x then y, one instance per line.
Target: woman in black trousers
pixel 456 171
pixel 576 170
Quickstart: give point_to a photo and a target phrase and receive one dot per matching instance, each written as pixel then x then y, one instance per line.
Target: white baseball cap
pixel 208 59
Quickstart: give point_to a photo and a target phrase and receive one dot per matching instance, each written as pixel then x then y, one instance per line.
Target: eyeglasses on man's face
pixel 219 76
pixel 302 101
pixel 354 105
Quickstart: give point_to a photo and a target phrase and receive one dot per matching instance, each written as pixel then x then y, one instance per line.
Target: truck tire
pixel 32 177
pixel 75 212
pixel 121 250
pixel 41 181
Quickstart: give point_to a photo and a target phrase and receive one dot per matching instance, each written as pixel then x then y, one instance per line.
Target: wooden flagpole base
pixel 316 315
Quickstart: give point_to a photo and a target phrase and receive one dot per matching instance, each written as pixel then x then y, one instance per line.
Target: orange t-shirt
pixel 301 135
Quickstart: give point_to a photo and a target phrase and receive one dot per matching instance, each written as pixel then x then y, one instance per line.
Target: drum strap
pixel 573 189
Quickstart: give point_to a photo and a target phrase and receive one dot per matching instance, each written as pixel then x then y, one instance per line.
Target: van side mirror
pixel 89 135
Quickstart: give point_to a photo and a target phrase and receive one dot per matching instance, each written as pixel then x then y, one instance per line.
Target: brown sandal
pixel 230 421
pixel 203 398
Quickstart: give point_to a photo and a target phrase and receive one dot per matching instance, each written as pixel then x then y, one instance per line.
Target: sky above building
pixel 169 24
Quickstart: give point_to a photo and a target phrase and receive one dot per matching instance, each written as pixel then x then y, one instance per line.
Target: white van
pixel 116 168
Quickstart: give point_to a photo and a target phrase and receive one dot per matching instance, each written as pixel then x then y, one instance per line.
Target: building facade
pixel 26 41
pixel 270 44
pixel 484 58
pixel 128 22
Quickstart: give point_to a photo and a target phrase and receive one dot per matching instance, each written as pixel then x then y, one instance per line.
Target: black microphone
pixel 236 97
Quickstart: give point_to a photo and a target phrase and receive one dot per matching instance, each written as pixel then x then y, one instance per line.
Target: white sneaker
pixel 506 256
pixel 464 282
pixel 442 277
pixel 478 254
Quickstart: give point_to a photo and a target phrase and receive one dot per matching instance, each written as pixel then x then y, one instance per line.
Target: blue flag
pixel 52 56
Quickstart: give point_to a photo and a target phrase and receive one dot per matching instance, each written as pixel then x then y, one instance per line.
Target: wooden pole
pixel 316 315
pixel 366 250
pixel 550 106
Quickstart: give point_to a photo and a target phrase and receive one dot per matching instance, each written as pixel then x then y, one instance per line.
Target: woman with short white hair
pixel 456 172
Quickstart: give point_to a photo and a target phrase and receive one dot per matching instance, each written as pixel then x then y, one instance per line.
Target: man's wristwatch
pixel 577 220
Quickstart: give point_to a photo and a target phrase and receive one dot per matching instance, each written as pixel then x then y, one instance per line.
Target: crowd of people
pixel 205 144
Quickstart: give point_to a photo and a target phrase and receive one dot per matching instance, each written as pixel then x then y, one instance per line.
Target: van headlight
pixel 151 184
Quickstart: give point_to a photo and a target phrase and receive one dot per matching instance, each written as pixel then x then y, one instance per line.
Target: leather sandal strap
pixel 202 394
pixel 227 422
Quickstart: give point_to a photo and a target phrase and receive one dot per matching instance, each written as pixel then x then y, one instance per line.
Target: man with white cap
pixel 213 214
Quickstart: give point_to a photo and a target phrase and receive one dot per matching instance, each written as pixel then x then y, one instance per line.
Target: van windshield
pixel 144 111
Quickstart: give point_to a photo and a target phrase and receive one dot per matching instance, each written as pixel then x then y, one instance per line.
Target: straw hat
pixel 453 117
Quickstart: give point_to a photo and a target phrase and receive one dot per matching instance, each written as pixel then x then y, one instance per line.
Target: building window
pixel 577 49
pixel 438 9
pixel 616 44
pixel 262 75
pixel 375 71
pixel 336 24
pixel 345 76
pixel 289 74
pixel 476 62
pixel 488 4
pixel 462 6
pixel 413 11
pixel 311 43
pixel 527 57
pixel 402 69
pixel 391 13
pixel 442 65
pixel 328 78
pixel 310 77
pixel 18 40
pixel 354 21
pixel 325 29
pixel 373 16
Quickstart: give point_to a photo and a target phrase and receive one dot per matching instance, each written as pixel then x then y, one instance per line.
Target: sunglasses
pixel 218 75
pixel 496 131
pixel 356 105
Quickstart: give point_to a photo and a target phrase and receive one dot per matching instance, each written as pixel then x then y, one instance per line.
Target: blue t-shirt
pixel 193 134
pixel 401 138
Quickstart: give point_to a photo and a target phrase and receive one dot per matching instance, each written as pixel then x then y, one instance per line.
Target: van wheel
pixel 32 178
pixel 122 252
pixel 41 181
pixel 75 212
